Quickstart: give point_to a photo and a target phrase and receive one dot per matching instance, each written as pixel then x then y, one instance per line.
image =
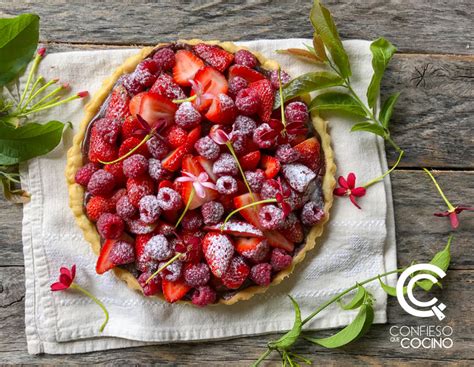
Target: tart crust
pixel 76 191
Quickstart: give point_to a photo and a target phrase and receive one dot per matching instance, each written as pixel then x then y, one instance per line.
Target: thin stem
pixel 255 203
pixel 188 204
pixel 232 151
pixel 262 358
pixel 45 98
pixel 189 99
pixel 380 178
pixel 99 303
pixel 392 143
pixel 282 109
pixel 169 262
pixel 33 89
pixel 40 90
pixel 144 140
pixel 30 76
pixel 450 206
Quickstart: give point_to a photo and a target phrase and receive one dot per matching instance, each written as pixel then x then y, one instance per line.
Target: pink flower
pixel 199 182
pixel 281 196
pixel 348 188
pixel 219 135
pixel 66 278
pixel 198 90
pixel 453 214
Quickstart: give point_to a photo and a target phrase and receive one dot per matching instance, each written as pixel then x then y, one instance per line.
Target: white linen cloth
pixel 356 243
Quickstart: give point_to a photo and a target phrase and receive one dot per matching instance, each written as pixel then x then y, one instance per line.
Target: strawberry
pixel 309 151
pixel 249 162
pixel 174 291
pixel 117 108
pixel 294 232
pixel 206 164
pixel 236 273
pixel 138 188
pixel 165 86
pixel 276 239
pixel 135 102
pixel 214 56
pixel 218 250
pixel 254 249
pixel 236 228
pixel 141 241
pixel 99 149
pixel 190 164
pixel 266 93
pixel 222 110
pixel 186 67
pixel 211 82
pixel 105 261
pixel 270 165
pixel 173 161
pixel 165 183
pixel 176 136
pixel 130 143
pixel 250 75
pixel 155 109
pixel 96 206
pixel 191 138
pixel 129 126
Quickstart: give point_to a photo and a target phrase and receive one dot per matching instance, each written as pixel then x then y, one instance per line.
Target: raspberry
pixel 176 136
pixel 240 143
pixel 292 229
pixel 311 213
pixel 110 226
pixel 286 154
pixel 101 183
pixel 187 116
pixel 261 274
pixel 122 253
pixel 165 229
pixel 125 208
pixel 169 199
pixel 138 188
pixel 149 209
pixel 225 166
pixel 135 166
pixel 131 143
pixel 157 147
pixel 226 185
pixel 156 171
pixel 246 58
pixel 116 169
pixel 203 296
pixel 207 148
pixel 158 248
pixel 212 212
pixel 147 265
pixel 145 72
pixel 247 101
pixel 153 286
pixel 192 220
pixel 109 129
pixel 255 179
pixel 165 58
pixel 120 193
pixel 197 275
pixel 129 126
pixel 136 226
pixel 285 78
pixel 258 136
pixel 131 84
pixel 296 112
pixel 96 206
pixel 84 174
pixel 172 272
pixel 244 125
pixel 270 217
pixel 236 84
pixel 165 86
pixel 280 259
pixel 269 189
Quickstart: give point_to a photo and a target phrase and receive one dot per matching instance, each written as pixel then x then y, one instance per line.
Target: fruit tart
pixel 189 184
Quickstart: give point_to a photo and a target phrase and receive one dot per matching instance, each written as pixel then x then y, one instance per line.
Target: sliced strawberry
pixel 165 86
pixel 214 55
pixel 155 109
pixel 309 153
pixel 117 107
pixel 276 239
pixel 270 165
pixel 296 139
pixel 129 126
pixel 250 161
pixel 104 263
pixel 212 83
pixel 186 67
pixel 236 273
pixel 267 95
pixel 218 249
pixel 250 214
pixel 174 291
pixel 191 138
pixel 250 75
pixel 135 102
pixel 245 245
pixel 140 242
pixel 207 165
pixel 165 183
pixel 222 110
pixel 236 228
pixel 173 161
pixel 190 164
pixel 254 249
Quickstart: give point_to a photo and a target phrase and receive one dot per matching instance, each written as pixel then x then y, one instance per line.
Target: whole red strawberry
pixel 117 107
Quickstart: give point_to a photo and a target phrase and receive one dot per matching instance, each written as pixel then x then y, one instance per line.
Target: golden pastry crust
pixel 76 191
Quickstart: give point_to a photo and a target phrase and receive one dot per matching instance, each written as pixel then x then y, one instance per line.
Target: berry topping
pixel 138 188
pixel 186 67
pixel 104 261
pixel 249 74
pixel 192 251
pixel 253 249
pixel 132 84
pixel 173 160
pixel 236 228
pixel 117 107
pixel 136 226
pixel 271 217
pixel 280 259
pixel 135 166
pixel 131 143
pixel 286 154
pixel 296 112
pixel 84 174
pixel 196 275
pixel 222 110
pixel 212 212
pixel 176 136
pixel 158 248
pixel 260 139
pixel 145 72
pixel 109 129
pixel 236 84
pixel 226 185
pixel 292 229
pixel 101 183
pixel 261 274
pixel 266 93
pixel 110 226
pixel 236 273
pixel 270 189
pixel 165 58
pixel 122 253
pixel 149 209
pixel 255 179
pixel 99 149
pixel 244 125
pixel 156 109
pixel 155 170
pixel 225 165
pixel 96 206
pixel 130 126
pixel 192 221
pixel 168 199
pixel 207 148
pixel 247 101
pixel 250 161
pixel 218 250
pixel 285 78
pixel 172 272
pixel 246 58
pixel 164 85
pixel 116 169
pixel 298 176
pixel 214 56
pixel 187 116
pixel 125 208
pixel 309 151
pixel 152 287
pixel 270 165
pixel 174 291
pixel 157 147
pixel 311 213
pixel 203 296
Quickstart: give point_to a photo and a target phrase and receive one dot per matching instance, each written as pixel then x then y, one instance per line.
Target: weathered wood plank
pixel 374 349
pixel 417 26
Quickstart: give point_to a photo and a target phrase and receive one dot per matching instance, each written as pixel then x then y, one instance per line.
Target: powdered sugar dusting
pixel 218 253
pixel 298 176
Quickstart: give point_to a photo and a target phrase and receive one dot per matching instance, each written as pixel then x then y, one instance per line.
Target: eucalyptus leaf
pixel 28 141
pixel 18 42
pixel 326 29
pixel 387 110
pixel 441 260
pixel 291 336
pixel 391 291
pixel 302 54
pixel 307 83
pixel 382 51
pixel 336 101
pixel 356 301
pixel 370 127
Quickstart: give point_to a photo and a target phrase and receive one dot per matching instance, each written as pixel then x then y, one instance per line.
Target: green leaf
pixel 370 127
pixel 336 101
pixel 291 336
pixel 307 83
pixel 302 54
pixel 356 301
pixel 14 196
pixel 382 51
pixel 358 327
pixel 387 109
pixel 391 291
pixel 28 141
pixel 318 47
pixel 18 42
pixel 326 29
pixel 441 260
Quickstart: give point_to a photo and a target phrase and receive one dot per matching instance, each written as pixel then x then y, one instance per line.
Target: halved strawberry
pixel 135 102
pixel 222 110
pixel 236 228
pixel 165 183
pixel 254 249
pixel 250 75
pixel 140 242
pixel 155 108
pixel 129 126
pixel 191 165
pixel 117 107
pixel 186 67
pixel 174 291
pixel 236 273
pixel 276 239
pixel 270 165
pixel 191 138
pixel 173 161
pixel 309 153
pixel 104 263
pixel 207 165
pixel 250 161
pixel 214 56
pixel 218 249
pixel 267 95
pixel 250 214
pixel 245 245
pixel 211 82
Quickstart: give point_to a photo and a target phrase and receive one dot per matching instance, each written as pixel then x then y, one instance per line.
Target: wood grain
pixel 423 26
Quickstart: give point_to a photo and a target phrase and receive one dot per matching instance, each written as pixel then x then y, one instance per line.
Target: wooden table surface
pixel 433 122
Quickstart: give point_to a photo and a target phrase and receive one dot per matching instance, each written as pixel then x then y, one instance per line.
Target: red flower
pixel 281 196
pixel 66 277
pixel 453 214
pixel 348 188
pixel 278 129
